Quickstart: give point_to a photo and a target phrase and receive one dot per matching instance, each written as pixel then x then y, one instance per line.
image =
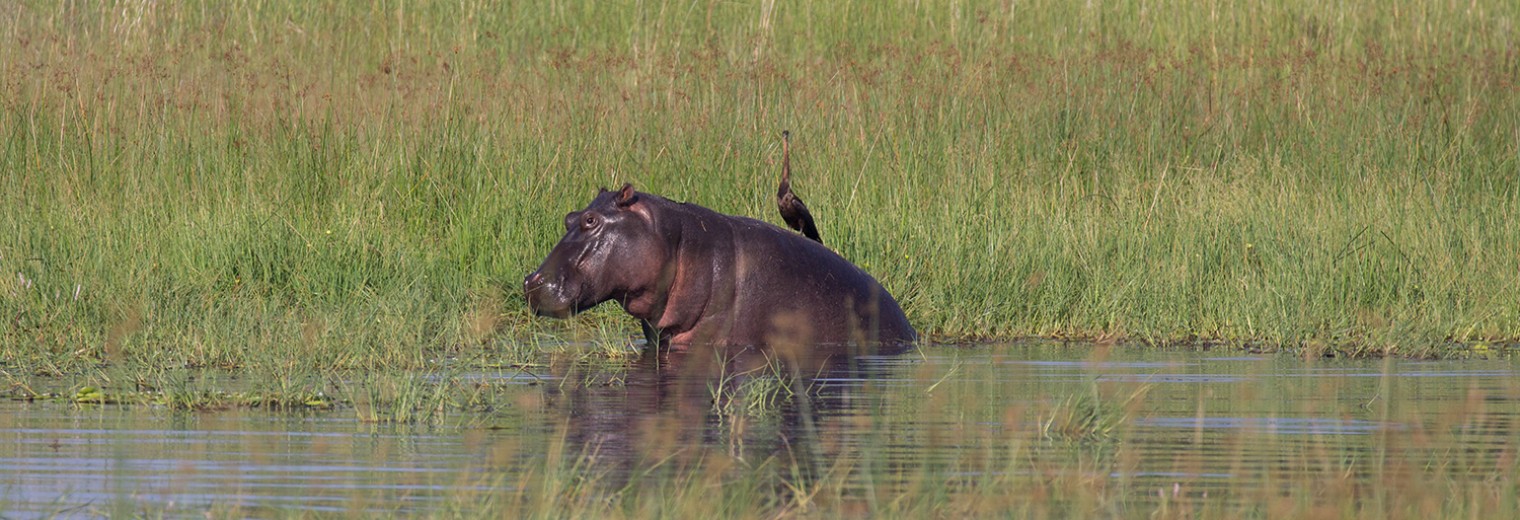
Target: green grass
pixel 343 186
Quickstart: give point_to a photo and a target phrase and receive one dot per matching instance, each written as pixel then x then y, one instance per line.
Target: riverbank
pixel 340 188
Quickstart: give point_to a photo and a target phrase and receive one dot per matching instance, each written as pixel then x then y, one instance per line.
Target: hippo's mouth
pixel 556 311
pixel 547 299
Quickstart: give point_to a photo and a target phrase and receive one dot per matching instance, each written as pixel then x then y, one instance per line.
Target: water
pixel 1122 430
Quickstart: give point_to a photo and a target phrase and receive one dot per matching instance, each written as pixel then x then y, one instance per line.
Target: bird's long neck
pixel 786 165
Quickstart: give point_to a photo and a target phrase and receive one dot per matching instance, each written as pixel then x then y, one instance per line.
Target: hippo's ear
pixel 626 196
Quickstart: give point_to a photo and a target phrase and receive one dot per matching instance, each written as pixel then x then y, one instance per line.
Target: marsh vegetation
pixel 364 186
pixel 300 217
pixel 1027 430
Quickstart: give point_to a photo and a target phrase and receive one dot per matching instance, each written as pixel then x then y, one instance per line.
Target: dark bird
pixel 793 211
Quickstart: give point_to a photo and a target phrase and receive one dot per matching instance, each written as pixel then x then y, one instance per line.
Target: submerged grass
pixel 1030 431
pixel 272 183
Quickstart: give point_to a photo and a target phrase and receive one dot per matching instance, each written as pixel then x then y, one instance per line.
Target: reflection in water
pixel 1036 428
pixel 108 460
pixel 670 412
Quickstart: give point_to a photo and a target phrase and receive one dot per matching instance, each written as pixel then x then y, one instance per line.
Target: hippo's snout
pixel 542 298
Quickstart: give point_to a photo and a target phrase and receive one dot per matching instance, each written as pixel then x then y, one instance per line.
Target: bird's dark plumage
pixel 793 211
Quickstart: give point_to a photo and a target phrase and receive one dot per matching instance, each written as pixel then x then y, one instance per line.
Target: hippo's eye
pixel 588 221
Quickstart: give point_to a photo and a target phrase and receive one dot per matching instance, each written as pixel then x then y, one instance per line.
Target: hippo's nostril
pixel 532 284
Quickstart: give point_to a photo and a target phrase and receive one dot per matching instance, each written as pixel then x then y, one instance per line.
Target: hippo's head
pixel 611 250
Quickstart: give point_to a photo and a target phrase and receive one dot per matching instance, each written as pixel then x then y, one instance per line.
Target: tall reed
pixel 364 185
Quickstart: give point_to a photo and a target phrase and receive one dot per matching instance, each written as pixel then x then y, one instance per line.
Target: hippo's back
pixel 803 288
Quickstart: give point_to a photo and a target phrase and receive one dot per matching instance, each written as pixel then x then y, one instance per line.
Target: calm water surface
pixel 1147 424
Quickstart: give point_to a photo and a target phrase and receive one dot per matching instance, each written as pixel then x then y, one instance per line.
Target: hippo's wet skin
pixel 698 277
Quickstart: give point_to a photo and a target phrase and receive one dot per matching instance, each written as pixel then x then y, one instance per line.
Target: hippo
pixel 694 277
